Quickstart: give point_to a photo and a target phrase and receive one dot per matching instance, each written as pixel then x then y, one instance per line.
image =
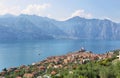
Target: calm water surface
pixel 16 53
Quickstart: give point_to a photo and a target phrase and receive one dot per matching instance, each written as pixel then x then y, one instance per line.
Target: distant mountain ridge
pixel 32 27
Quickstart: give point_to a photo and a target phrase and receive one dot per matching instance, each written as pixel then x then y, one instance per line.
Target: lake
pixel 16 53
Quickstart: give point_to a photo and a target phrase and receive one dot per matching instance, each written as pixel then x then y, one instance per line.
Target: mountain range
pixel 32 27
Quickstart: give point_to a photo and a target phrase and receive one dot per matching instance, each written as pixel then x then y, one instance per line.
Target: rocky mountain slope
pixel 32 27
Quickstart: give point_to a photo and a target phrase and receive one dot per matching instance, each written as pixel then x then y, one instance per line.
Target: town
pixel 51 66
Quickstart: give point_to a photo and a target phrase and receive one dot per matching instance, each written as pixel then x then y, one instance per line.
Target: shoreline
pixel 78 57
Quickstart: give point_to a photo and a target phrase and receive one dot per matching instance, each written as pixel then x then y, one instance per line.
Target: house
pixel 119 55
pixel 28 75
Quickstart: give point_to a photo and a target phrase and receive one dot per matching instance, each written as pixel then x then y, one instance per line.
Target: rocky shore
pixel 53 65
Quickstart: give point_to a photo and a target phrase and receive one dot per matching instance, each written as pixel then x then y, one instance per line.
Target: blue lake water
pixel 16 53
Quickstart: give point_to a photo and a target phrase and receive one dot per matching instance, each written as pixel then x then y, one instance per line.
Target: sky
pixel 63 9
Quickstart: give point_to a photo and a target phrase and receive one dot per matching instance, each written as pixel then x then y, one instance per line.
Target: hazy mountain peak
pixel 7 15
pixel 76 18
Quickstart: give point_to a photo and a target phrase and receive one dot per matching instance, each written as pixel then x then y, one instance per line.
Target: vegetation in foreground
pixel 74 68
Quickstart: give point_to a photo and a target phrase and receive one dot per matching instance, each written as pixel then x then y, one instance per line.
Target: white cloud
pixel 109 18
pixel 6 9
pixel 49 16
pixel 105 17
pixel 29 9
pixel 35 9
pixel 81 13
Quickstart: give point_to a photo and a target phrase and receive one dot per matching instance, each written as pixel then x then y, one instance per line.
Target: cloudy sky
pixel 63 9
